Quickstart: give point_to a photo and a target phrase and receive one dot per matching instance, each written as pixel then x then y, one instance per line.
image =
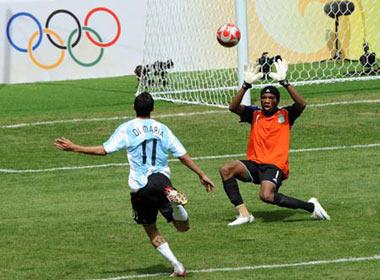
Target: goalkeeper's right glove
pixel 251 74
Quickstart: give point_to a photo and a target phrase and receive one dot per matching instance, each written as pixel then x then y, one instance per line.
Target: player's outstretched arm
pixel 251 74
pixel 280 75
pixel 299 101
pixel 235 106
pixel 205 181
pixel 66 145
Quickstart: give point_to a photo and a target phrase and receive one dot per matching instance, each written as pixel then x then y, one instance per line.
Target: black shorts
pixel 150 199
pixel 262 172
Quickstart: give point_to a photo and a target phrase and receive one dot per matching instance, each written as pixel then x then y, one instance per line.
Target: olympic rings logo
pixel 74 37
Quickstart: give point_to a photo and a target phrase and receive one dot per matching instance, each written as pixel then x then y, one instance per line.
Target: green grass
pixel 77 224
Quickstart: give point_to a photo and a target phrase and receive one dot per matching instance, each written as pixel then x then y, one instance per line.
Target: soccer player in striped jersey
pixel 148 144
pixel 268 147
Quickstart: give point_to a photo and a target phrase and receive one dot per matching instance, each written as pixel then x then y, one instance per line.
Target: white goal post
pixel 323 41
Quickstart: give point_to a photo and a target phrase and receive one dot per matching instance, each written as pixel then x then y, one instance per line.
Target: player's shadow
pixel 153 269
pixel 274 215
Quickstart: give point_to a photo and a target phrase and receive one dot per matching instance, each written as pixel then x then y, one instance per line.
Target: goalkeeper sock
pixel 232 190
pixel 293 203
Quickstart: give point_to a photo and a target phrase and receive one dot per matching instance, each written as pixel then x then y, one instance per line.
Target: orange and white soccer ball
pixel 228 35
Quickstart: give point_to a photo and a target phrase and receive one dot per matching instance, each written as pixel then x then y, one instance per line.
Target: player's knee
pixel 266 197
pixel 225 172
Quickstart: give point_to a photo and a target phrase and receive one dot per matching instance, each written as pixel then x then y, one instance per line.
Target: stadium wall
pixel 118 55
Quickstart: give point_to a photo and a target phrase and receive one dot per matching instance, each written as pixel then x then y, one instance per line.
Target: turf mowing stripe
pixel 175 160
pixel 124 118
pixel 265 266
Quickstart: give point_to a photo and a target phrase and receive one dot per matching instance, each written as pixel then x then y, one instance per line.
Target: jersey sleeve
pixel 175 146
pixel 293 113
pixel 247 114
pixel 117 141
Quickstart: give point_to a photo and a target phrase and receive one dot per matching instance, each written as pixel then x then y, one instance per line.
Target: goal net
pixel 323 42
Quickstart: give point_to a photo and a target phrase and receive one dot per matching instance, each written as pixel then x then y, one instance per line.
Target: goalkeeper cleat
pixel 319 212
pixel 179 270
pixel 240 220
pixel 175 196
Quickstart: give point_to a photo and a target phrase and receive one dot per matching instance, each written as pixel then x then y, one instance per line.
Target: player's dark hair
pixel 144 104
pixel 273 90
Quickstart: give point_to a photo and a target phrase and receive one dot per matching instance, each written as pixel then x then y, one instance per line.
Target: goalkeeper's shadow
pixel 274 215
pixel 153 269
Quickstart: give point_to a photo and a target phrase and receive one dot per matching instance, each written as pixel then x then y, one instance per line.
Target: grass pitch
pixel 77 223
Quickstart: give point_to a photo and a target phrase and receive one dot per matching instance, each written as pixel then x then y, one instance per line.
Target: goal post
pixel 242 47
pixel 323 41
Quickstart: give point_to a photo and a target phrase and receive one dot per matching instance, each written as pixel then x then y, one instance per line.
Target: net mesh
pixel 323 42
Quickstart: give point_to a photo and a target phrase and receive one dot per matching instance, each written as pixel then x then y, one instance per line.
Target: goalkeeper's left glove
pixel 281 71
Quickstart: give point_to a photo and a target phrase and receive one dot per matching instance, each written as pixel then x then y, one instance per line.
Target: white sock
pixel 179 213
pixel 165 251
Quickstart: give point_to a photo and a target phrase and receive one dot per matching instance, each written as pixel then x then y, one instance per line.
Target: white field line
pixel 20 125
pixel 175 160
pixel 256 267
pixel 344 103
pixel 124 118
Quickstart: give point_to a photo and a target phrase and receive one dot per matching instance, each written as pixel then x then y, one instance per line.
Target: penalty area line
pixel 123 118
pixel 320 149
pixel 256 267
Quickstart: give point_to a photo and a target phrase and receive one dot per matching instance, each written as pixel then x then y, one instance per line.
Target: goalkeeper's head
pixel 273 90
pixel 270 97
pixel 144 105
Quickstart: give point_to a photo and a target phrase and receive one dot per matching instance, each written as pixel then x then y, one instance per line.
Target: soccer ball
pixel 228 35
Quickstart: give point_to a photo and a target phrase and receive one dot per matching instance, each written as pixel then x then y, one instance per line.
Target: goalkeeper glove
pixel 281 70
pixel 251 74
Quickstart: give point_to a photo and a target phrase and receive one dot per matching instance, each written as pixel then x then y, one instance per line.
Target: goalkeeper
pixel 268 147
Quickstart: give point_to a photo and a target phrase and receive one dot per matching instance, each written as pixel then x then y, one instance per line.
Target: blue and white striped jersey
pixel 148 143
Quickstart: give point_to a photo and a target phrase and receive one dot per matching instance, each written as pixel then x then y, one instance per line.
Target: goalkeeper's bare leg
pixel 229 172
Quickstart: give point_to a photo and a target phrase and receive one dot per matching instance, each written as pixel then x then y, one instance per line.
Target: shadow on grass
pixel 283 215
pixel 274 216
pixel 153 269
